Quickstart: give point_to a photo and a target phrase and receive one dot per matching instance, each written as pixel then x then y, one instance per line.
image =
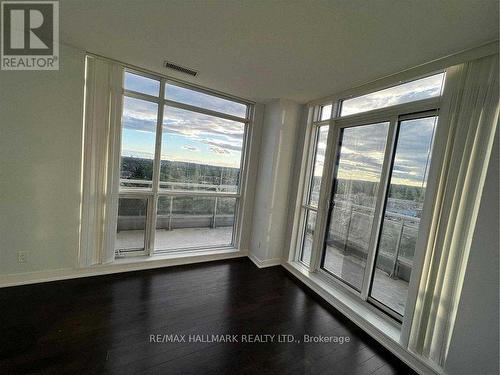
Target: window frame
pixel 312 137
pixel 153 192
pixel 393 115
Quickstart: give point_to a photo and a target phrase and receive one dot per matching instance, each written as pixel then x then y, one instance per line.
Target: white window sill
pixel 347 303
pixel 374 322
pixel 197 255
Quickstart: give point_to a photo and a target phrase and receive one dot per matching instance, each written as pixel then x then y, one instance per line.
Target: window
pixel 419 89
pixel 319 162
pixel 374 174
pixel 326 112
pixel 403 208
pixel 139 120
pixel 141 84
pixel 194 222
pixel 200 152
pixel 131 224
pixel 357 181
pixel 310 205
pixel 307 243
pixel 181 162
pixel 364 236
pixel 198 99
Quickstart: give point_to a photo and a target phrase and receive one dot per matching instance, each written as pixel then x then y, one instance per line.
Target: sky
pixel 362 152
pixel 190 136
pixel 320 151
pixel 363 148
pixel 199 99
pixel 413 151
pixel 199 138
pixel 424 88
pixel 186 136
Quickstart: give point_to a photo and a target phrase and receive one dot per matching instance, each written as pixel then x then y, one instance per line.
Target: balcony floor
pixel 176 238
pixel 393 292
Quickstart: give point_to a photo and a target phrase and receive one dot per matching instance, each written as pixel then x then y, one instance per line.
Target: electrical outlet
pixel 22 257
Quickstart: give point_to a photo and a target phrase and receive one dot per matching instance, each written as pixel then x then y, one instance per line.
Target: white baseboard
pixel 264 263
pixel 120 265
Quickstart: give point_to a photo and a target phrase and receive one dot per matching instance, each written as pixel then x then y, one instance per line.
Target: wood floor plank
pixel 102 325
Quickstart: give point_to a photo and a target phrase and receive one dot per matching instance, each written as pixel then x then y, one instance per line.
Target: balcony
pixel 346 253
pixel 189 216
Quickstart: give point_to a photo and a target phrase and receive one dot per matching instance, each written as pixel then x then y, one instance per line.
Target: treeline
pixel 368 188
pixel 177 171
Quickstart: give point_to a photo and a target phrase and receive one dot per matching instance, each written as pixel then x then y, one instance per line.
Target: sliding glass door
pixel 356 184
pixel 402 213
pixel 362 199
pixel 377 192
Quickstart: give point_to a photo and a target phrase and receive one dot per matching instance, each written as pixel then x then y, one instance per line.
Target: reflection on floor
pixel 105 324
pixel 176 238
pixel 391 292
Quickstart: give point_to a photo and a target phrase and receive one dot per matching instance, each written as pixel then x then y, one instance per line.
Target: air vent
pixel 177 67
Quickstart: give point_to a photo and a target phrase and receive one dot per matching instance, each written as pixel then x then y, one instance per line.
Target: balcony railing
pixel 350 230
pixel 209 210
pixel 180 186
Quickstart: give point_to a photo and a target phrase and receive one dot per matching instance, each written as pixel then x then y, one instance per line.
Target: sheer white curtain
pixel 101 142
pixel 470 113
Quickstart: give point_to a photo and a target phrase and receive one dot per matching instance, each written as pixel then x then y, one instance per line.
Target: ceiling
pixel 299 50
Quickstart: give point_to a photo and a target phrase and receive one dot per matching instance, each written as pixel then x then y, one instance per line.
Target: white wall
pixel 251 183
pixel 277 154
pixel 41 116
pixel 475 343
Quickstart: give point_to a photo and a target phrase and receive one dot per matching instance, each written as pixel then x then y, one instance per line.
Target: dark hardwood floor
pixel 103 325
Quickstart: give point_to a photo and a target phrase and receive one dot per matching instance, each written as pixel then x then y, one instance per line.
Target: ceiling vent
pixel 182 69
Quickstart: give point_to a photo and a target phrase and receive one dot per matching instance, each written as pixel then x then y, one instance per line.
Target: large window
pixel 181 160
pixel 365 233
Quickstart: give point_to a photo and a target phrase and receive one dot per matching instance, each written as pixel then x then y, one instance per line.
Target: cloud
pixel 218 150
pixel 222 134
pixel 411 91
pixel 362 152
pixel 223 144
pixel 197 127
pixel 199 99
pixel 190 148
pixel 137 154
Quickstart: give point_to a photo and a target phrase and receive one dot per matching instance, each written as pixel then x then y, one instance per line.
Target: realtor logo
pixel 30 35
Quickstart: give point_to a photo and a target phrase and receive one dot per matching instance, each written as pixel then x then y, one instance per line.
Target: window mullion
pixel 379 206
pixel 151 230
